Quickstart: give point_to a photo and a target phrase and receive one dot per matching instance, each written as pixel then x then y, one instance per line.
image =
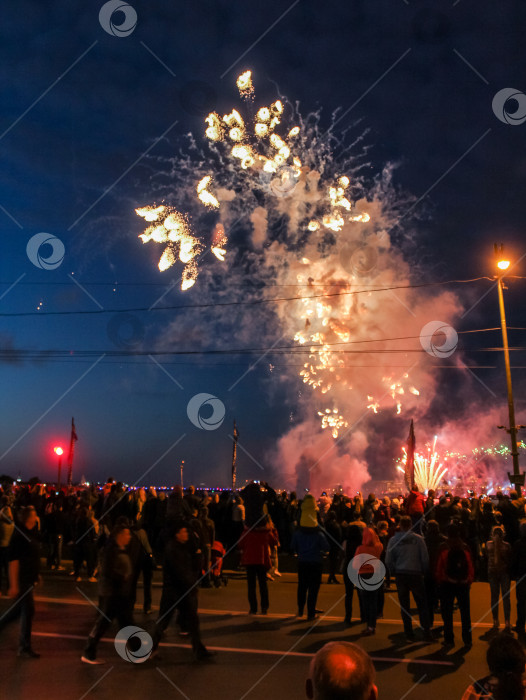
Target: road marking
pixel 240 613
pixel 262 652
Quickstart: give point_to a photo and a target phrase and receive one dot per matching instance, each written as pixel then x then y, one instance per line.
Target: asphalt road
pixel 257 657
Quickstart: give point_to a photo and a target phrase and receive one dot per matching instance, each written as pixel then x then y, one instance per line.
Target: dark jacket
pixel 179 567
pixel 518 559
pixel 25 548
pixel 116 571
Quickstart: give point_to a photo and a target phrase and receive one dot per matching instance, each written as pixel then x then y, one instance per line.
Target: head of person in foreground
pixel 341 671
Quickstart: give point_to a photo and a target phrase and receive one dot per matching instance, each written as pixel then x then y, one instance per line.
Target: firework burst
pixel 269 198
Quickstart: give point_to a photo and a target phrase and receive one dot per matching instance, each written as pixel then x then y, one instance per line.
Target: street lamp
pixel 59 452
pixel 503 264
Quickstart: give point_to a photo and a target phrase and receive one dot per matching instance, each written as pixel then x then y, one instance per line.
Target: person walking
pixel 115 583
pixel 255 544
pixel 408 561
pixel 518 572
pixel 455 574
pixel 180 587
pixel 372 547
pixel 499 565
pixel 24 575
pixel 310 544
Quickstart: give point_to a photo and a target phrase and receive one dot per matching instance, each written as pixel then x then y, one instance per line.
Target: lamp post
pixel 517 479
pixel 59 452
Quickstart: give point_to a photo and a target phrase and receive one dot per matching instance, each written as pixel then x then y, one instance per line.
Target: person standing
pixel 24 575
pixel 352 540
pixel 435 541
pixel 518 571
pixel 256 544
pixel 499 556
pixel 371 546
pixel 310 544
pixel 414 507
pixel 455 574
pixel 408 561
pixel 180 591
pixel 141 557
pixel 208 537
pixel 7 527
pixel 334 533
pixel 115 601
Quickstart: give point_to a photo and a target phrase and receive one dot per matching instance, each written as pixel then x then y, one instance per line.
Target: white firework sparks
pixel 315 231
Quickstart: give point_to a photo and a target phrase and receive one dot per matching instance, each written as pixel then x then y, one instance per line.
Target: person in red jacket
pixel 255 545
pixel 415 505
pixel 371 546
pixel 455 574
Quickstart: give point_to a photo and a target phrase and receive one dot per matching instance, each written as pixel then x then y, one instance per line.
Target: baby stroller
pixel 218 552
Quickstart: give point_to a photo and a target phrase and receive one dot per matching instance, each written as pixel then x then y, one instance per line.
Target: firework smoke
pixel 284 216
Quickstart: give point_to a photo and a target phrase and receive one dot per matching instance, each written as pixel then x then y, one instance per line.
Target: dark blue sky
pixel 419 76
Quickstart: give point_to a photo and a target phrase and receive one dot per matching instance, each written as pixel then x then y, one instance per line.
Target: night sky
pixel 87 118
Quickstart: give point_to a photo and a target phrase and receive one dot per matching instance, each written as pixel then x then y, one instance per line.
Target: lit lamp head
pixel 58 451
pixel 502 262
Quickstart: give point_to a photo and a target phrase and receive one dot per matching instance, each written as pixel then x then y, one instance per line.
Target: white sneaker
pixel 93 662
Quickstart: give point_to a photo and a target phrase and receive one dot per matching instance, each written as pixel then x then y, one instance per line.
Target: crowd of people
pixel 431 547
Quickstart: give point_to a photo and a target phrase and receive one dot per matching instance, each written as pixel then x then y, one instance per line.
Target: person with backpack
pixel 455 574
pixel 499 564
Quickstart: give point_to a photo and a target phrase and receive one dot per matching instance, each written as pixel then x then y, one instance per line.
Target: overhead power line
pixel 252 302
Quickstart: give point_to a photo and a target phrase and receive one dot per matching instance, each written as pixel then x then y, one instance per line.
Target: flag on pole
pixel 234 456
pixel 71 453
pixel 410 462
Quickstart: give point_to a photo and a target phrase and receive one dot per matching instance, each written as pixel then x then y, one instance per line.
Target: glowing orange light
pixel 503 264
pixel 58 450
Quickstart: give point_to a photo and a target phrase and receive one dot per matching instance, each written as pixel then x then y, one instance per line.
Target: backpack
pixel 457 569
